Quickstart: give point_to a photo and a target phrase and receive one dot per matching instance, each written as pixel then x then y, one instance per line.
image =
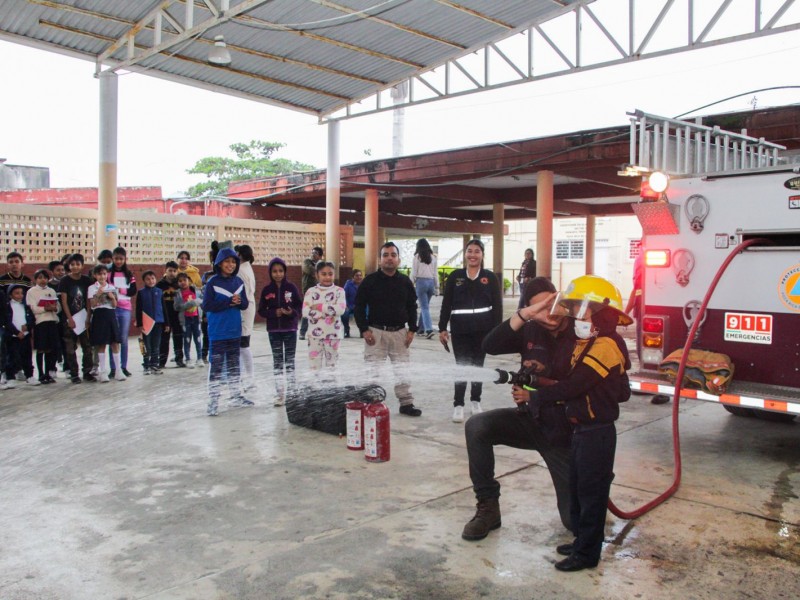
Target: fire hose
pixel 676 440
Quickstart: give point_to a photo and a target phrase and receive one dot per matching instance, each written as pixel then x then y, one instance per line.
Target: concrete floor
pixel 127 490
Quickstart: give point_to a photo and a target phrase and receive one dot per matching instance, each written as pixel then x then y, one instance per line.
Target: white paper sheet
pixel 80 321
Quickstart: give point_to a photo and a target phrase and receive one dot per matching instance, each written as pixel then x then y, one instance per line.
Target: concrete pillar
pixel 332 190
pixel 381 236
pixel 371 241
pixel 107 228
pixel 588 249
pixel 544 224
pixel 498 220
pixel 464 241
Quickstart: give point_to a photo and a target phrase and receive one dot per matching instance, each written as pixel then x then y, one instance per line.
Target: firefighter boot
pixel 486 518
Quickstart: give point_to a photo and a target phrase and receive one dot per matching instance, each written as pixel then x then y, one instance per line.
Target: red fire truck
pixel 705 192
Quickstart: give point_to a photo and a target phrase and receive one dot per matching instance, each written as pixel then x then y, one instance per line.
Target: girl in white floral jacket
pixel 323 306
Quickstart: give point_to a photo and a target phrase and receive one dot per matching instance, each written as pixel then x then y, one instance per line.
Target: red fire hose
pixel 676 439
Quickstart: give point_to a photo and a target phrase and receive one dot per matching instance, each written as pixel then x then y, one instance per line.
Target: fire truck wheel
pixel 739 411
pixel 775 417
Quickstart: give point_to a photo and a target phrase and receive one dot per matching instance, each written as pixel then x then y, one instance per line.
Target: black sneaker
pixel 75 379
pixel 180 364
pixel 126 372
pixel 410 410
pixel 89 377
pixel 111 373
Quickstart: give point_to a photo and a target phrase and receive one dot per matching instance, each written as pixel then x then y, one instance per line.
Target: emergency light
pixel 656 258
pixel 653 330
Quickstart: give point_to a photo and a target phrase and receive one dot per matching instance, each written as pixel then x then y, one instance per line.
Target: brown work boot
pixel 486 518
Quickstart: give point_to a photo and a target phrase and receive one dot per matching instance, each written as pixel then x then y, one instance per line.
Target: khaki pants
pixel 391 344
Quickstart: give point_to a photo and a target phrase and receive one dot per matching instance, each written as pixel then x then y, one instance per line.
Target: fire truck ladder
pixel 685 148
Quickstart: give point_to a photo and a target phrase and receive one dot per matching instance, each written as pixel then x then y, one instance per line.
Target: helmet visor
pixel 570 307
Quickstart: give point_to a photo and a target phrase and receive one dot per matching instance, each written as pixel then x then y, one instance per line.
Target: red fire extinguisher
pixel 376 432
pixel 355 424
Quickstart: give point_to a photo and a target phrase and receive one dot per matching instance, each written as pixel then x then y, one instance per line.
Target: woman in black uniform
pixel 473 306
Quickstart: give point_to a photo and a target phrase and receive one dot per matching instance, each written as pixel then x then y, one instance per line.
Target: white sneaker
pixel 190 364
pixel 119 375
pixel 200 363
pixel 458 414
pixel 278 401
pixel 3 379
pixel 53 374
pixel 103 378
pixel 476 408
pixel 33 381
pixel 21 376
pixel 94 373
pixel 10 384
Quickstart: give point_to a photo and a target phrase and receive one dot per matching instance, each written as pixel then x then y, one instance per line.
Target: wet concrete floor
pixel 128 490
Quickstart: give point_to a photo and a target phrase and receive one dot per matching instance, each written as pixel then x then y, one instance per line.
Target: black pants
pixel 45 363
pixel 508 427
pixel 71 343
pixel 467 350
pixel 590 476
pixel 19 355
pixel 176 333
pixel 303 327
pixel 204 331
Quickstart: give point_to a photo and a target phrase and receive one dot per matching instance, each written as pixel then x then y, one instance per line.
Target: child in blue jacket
pixel 224 298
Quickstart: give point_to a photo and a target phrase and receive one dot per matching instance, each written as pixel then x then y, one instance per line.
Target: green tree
pixel 252 161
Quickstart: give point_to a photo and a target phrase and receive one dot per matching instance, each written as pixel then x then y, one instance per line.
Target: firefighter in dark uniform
pixel 473 305
pixel 591 394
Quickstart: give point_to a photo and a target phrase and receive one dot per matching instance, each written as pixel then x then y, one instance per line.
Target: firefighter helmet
pixel 590 291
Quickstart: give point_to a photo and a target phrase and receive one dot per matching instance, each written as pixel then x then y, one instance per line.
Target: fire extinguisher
pixel 355 424
pixel 376 432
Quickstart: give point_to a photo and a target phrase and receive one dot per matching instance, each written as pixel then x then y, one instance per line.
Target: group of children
pixel 63 309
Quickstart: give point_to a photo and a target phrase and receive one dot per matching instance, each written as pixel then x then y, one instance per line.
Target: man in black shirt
pixel 385 302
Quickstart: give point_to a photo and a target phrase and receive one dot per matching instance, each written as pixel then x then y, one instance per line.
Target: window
pixel 569 249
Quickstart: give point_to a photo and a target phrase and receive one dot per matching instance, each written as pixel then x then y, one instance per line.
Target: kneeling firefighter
pixel 589 397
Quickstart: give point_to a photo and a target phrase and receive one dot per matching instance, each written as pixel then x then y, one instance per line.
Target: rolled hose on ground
pixel 676 439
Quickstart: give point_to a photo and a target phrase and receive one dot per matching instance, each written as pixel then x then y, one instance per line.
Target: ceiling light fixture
pixel 219 55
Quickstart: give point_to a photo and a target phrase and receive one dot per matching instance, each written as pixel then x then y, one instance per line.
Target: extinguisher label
pixel 370 437
pixel 748 327
pixel 353 428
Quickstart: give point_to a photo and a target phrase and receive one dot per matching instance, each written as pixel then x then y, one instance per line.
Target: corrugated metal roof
pixel 316 56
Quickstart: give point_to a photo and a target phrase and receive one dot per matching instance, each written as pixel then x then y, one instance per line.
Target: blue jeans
pixel 223 356
pixel 191 330
pixel 124 324
pixel 346 320
pixel 152 347
pixel 425 287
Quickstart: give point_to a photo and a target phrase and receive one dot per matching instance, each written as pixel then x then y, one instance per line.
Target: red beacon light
pixel 654 186
pixel 657 258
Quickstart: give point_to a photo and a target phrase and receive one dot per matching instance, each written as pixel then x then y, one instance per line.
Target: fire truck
pixel 710 195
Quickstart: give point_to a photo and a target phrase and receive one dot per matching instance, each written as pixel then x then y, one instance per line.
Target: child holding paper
pixel 104 331
pixel 150 320
pixel 43 303
pixel 72 291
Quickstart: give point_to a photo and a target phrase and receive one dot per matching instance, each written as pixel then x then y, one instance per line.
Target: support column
pixel 371 241
pixel 332 190
pixel 464 241
pixel 107 228
pixel 544 224
pixel 498 220
pixel 588 249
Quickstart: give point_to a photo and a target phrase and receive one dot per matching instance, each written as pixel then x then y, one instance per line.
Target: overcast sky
pixel 49 107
